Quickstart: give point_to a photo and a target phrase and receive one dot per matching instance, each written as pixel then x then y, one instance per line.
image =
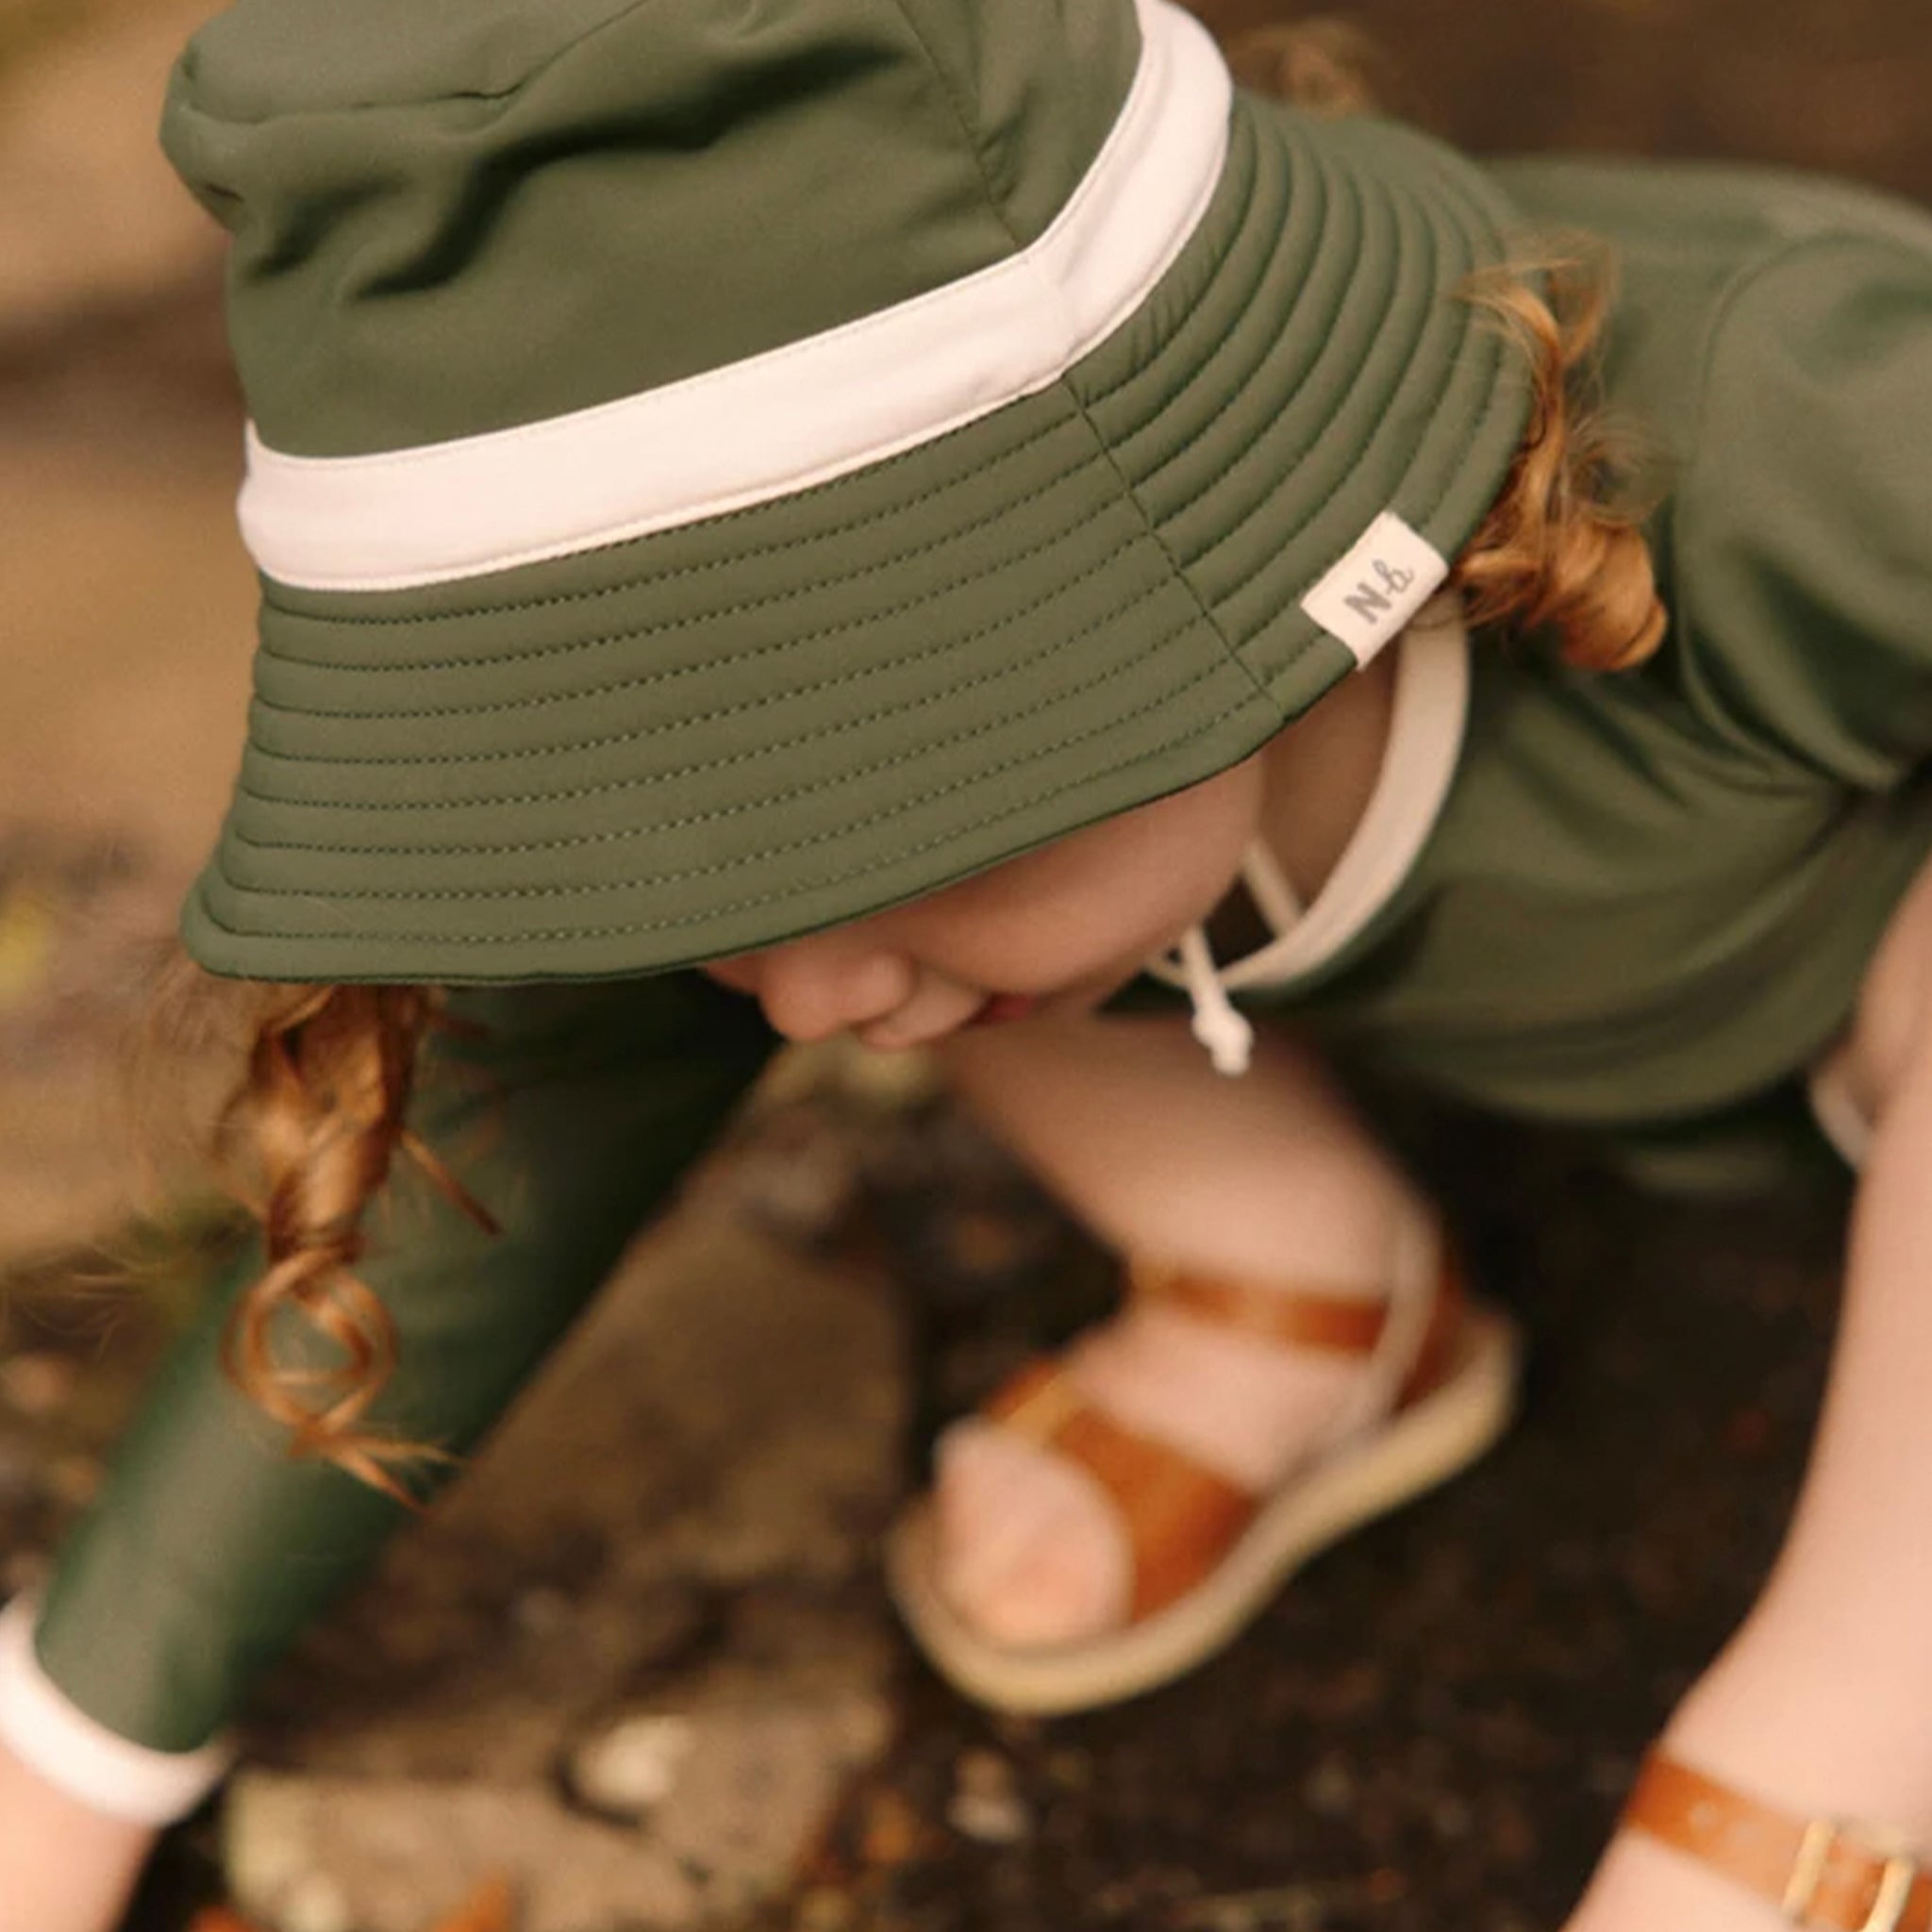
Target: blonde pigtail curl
pixel 1558 552
pixel 309 1137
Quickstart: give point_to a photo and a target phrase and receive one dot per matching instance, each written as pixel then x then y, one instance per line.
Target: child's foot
pixel 1643 1885
pixel 1646 1881
pixel 1029 1551
pixel 1113 1522
pixel 1113 1558
pixel 1803 1738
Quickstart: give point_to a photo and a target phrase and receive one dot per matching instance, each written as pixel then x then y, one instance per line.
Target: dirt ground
pixel 1436 1728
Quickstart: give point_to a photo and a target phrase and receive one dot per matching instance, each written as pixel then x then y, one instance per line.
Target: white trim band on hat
pixel 790 418
pixel 84 1758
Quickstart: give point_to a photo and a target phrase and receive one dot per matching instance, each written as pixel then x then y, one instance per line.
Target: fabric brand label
pixel 1370 597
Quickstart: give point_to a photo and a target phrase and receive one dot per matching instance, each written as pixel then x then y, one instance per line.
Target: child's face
pixel 1064 927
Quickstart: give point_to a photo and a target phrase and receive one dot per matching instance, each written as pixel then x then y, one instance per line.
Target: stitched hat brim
pixel 718 737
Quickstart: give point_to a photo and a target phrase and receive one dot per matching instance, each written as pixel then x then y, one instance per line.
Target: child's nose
pixel 825 984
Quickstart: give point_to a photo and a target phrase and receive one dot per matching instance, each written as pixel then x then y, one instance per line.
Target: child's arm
pixel 209 1552
pixel 69 1868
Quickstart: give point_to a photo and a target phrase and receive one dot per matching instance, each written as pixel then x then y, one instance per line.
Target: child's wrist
pixel 68 1868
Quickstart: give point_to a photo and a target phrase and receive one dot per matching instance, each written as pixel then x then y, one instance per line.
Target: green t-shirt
pixel 1652 895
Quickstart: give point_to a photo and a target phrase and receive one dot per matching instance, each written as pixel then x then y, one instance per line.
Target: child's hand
pixel 68 1867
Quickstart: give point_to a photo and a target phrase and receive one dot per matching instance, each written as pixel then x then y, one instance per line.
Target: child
pixel 863 500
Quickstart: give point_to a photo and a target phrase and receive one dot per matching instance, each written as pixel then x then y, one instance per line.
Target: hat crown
pixel 265 58
pixel 453 216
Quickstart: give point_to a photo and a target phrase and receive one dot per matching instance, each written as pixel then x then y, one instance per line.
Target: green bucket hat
pixel 720 469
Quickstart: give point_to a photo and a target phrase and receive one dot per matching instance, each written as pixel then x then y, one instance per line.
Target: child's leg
pixel 1823 1704
pixel 1269 1178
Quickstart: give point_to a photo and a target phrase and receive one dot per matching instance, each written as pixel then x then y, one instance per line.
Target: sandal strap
pixel 1435 1354
pixel 1828 1875
pixel 1179 1517
pixel 1294 1316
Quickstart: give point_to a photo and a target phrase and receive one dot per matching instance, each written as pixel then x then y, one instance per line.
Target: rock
pixel 734 1790
pixel 266 1832
pixel 633 1767
pixel 759 1783
pixel 317 1903
pixel 825 1910
pixel 792 1171
pixel 399 1850
pixel 986 1804
pixel 636 1659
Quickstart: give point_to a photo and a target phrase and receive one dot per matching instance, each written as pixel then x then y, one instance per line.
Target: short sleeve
pixel 1801 534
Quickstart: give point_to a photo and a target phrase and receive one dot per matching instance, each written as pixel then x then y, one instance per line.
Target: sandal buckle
pixel 1896 1883
pixel 1894 1894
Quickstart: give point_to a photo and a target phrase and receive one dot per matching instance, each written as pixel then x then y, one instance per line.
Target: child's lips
pixel 995 1008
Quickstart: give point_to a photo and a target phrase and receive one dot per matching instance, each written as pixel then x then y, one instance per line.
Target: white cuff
pixel 84 1758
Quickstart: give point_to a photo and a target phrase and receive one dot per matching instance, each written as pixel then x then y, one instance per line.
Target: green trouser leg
pixel 209 1551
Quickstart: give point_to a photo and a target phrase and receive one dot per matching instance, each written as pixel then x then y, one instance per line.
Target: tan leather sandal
pixel 1205 1554
pixel 1826 1873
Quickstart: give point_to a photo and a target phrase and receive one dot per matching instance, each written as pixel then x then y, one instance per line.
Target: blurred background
pixel 1400 1768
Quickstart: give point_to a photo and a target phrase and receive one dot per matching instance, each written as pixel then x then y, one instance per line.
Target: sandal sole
pixel 1415 1451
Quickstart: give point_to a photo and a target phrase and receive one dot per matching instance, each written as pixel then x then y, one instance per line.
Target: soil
pixel 1435 1723
pixel 1435 1726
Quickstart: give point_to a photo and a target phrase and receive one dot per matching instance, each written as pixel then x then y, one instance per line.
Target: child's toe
pixel 1027 1550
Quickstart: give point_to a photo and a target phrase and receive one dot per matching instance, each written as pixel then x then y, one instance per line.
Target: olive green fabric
pixel 1647 897
pixel 717 737
pixel 1650 895
pixel 209 1551
pixel 451 218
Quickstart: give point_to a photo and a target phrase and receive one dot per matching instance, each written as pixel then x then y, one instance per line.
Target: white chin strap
pixel 1227 1037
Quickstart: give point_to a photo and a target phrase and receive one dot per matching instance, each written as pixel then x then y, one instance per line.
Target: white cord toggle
pixel 1227 1037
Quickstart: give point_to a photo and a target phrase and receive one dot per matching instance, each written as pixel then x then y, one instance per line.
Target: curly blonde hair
pixel 307 1138
pixel 317 1122
pixel 1562 552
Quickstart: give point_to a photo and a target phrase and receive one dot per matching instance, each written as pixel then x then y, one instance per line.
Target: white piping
pixel 1272 890
pixel 778 423
pixel 1429 713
